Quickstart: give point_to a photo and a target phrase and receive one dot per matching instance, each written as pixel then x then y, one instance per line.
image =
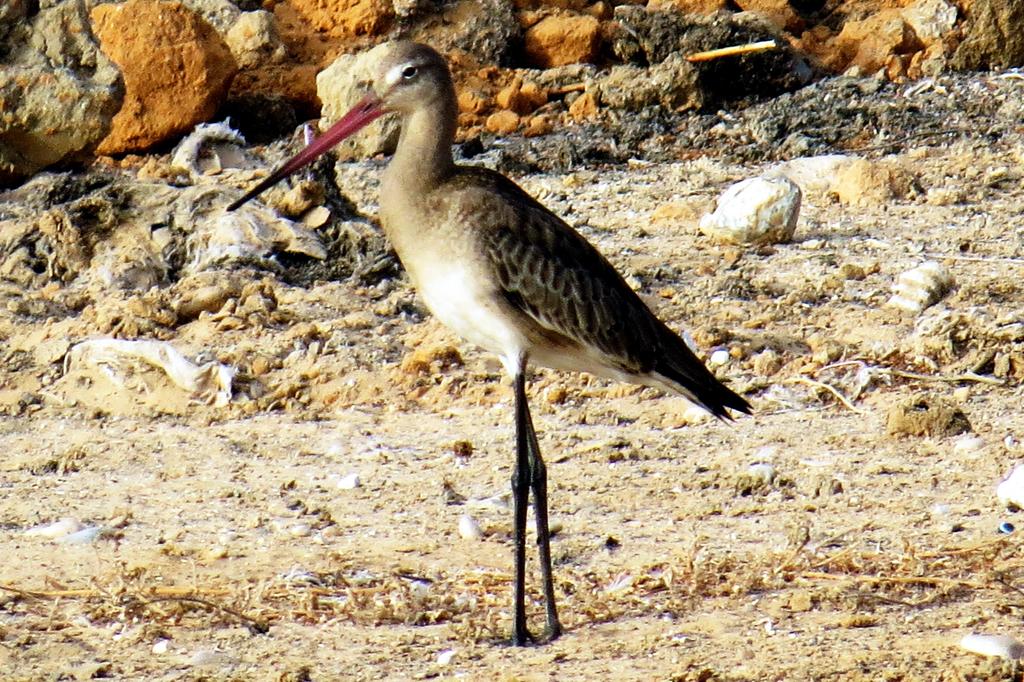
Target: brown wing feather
pixel 551 273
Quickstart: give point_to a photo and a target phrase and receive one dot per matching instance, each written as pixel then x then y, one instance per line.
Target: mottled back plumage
pixel 555 277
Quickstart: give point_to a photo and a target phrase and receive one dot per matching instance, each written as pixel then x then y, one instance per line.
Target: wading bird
pixel 507 275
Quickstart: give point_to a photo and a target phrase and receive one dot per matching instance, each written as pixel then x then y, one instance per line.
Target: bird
pixel 509 276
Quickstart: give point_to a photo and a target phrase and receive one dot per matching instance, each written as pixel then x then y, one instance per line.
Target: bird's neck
pixel 423 158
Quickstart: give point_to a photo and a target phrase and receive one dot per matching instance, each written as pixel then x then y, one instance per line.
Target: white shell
pixel 718 358
pixel 762 472
pixel 82 537
pixel 968 444
pixel 56 530
pixel 1011 490
pixel 1002 646
pixel 755 211
pixel 921 287
pixel 469 528
pixel 445 657
pixel 349 482
pixel 125 362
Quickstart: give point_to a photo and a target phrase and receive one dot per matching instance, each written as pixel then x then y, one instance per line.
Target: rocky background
pixel 236 445
pixel 87 78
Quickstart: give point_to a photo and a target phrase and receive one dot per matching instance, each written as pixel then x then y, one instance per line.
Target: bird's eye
pixel 409 72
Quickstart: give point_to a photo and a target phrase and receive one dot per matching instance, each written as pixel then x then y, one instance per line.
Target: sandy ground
pixel 227 543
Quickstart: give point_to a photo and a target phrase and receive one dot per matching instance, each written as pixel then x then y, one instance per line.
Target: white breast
pixel 464 302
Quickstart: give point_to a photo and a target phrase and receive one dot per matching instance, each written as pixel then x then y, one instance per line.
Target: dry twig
pixel 732 51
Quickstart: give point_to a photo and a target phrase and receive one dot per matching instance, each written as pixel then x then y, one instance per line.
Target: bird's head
pixel 409 75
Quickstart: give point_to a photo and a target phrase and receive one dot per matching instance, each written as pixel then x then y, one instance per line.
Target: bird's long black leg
pixel 539 485
pixel 520 496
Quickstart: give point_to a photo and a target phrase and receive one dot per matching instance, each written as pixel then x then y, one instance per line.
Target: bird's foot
pixel 522 637
pixel 552 632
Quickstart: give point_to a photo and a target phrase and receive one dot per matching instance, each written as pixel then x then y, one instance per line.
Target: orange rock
pixel 295 83
pixel 521 98
pixel 503 122
pixel 870 43
pixel 176 69
pixel 471 102
pixel 346 18
pixel 703 7
pixel 537 125
pixel 583 107
pixel 560 40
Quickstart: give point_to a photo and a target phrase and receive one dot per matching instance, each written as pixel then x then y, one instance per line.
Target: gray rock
pixel 58 91
pixel 253 40
pixel 673 84
pixel 643 37
pixel 994 36
pixel 486 29
pixel 339 87
pixel 220 14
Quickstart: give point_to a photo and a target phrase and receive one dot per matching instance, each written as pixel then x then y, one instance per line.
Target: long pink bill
pixel 362 114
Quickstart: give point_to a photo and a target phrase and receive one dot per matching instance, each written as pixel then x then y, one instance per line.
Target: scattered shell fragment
pixel 760 210
pixel 1002 646
pixel 56 530
pixel 469 528
pixel 762 472
pixel 622 583
pixel 316 217
pixel 921 287
pixel 500 502
pixel 445 657
pixel 349 481
pixel 209 149
pixel 968 444
pixel 82 537
pixel 160 646
pixel 126 362
pixel 299 530
pixel 1011 491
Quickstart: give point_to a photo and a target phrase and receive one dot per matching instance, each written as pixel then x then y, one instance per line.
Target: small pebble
pixel 718 358
pixel 215 552
pixel 160 647
pixel 1011 491
pixel 469 528
pixel 349 482
pixel 299 530
pixel 208 657
pixel 445 657
pixel 1002 646
pixel 500 502
pixel 968 444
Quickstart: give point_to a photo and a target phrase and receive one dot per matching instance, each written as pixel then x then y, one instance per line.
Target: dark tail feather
pixel 678 364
